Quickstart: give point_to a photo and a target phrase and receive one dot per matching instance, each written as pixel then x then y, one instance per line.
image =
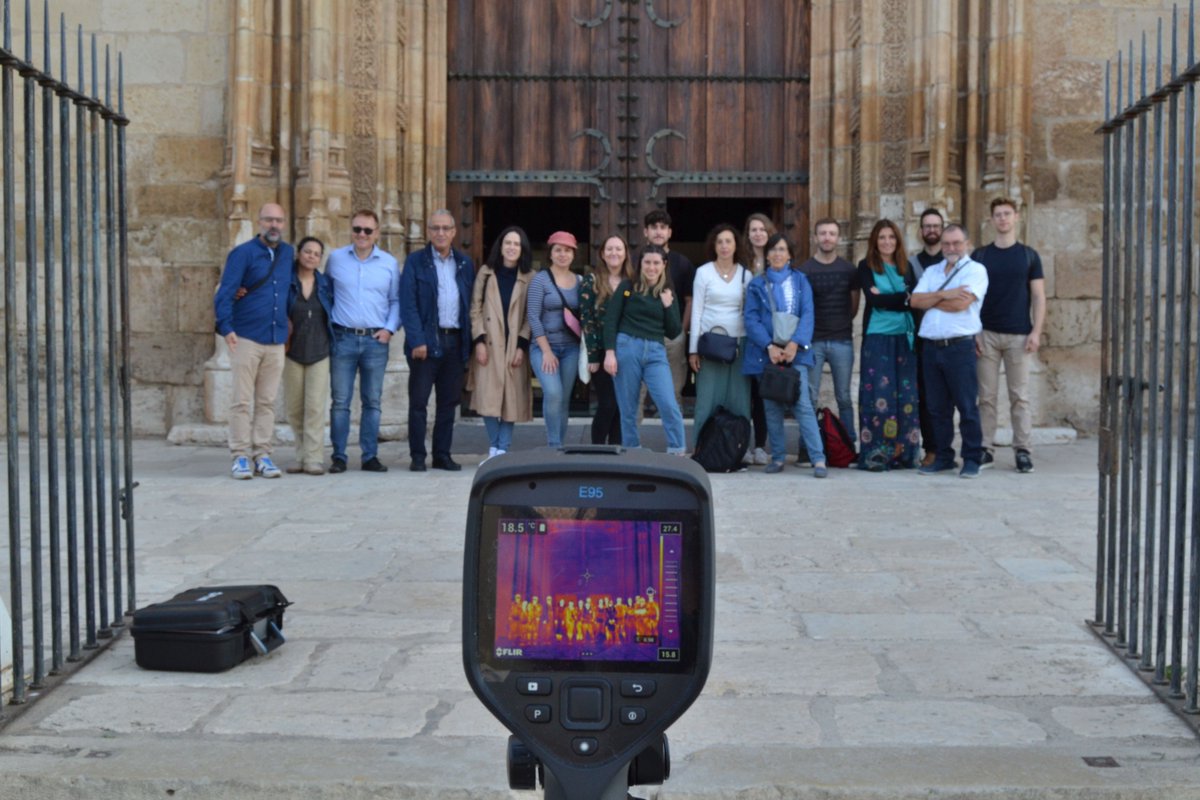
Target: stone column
pixel 934 177
pixel 1008 119
pixel 833 113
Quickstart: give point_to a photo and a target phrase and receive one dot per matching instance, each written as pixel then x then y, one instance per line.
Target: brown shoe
pixel 928 459
pixel 295 469
pixel 314 469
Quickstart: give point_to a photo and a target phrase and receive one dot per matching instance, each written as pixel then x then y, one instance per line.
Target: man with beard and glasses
pixel 250 307
pixel 932 223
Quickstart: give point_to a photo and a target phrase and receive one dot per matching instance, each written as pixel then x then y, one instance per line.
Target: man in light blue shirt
pixel 951 293
pixel 366 313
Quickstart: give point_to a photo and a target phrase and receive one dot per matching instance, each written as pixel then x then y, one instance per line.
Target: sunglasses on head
pixel 367 231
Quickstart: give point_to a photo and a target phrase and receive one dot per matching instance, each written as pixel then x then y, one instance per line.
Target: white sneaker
pixel 264 467
pixel 761 457
pixel 241 469
pixel 749 457
pixel 491 454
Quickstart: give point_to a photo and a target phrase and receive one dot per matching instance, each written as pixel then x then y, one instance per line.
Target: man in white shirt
pixel 951 294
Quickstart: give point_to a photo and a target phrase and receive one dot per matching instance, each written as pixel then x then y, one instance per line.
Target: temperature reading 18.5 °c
pixel 521 526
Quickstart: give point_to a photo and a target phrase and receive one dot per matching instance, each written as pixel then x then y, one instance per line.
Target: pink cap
pixel 563 238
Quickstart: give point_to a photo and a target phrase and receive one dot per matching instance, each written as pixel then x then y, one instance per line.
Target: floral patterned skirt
pixel 889 423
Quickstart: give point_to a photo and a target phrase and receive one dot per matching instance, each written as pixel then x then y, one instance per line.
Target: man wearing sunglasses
pixel 435 297
pixel 366 313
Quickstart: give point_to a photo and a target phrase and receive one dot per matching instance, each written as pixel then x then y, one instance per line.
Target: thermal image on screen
pixel 588 590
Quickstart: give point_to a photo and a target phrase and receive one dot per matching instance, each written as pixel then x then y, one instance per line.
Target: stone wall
pixel 176 71
pixel 1071 41
pixel 181 65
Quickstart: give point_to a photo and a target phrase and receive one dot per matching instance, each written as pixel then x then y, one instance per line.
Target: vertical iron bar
pixel 1126 369
pixel 1152 431
pixel 1185 366
pixel 64 124
pixel 1116 383
pixel 110 231
pixel 126 373
pixel 1139 386
pixel 1189 154
pixel 1104 462
pixel 11 377
pixel 54 531
pixel 33 433
pixel 1164 551
pixel 85 347
pixel 97 357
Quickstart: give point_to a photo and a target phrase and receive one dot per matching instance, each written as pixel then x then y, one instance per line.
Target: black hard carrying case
pixel 209 629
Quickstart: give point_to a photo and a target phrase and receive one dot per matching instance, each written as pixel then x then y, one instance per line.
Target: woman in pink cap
pixel 553 313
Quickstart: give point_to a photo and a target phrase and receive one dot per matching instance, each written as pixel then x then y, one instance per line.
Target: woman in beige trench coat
pixel 501 390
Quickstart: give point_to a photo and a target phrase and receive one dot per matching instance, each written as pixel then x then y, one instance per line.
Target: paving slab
pixel 877 636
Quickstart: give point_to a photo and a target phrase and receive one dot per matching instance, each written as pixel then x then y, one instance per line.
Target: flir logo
pixel 591 492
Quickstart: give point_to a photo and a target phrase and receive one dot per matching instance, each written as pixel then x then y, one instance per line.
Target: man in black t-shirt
pixel 836 295
pixel 1013 313
pixel 932 223
pixel 682 274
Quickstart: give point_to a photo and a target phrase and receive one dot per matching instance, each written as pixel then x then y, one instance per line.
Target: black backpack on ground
pixel 723 442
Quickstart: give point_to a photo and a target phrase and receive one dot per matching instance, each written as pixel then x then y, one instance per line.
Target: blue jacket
pixel 418 302
pixel 758 324
pixel 262 315
pixel 324 296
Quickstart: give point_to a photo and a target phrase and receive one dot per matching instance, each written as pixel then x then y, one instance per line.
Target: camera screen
pixel 584 586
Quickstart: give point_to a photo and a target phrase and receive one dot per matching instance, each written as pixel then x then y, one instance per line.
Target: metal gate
pixel 67 346
pixel 1148 533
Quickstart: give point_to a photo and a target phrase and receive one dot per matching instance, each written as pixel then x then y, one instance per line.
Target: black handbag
pixel 781 383
pixel 716 345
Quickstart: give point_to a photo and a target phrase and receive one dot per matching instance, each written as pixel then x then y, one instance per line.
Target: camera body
pixel 588 587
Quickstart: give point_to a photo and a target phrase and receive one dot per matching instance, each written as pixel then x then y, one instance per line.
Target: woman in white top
pixel 718 300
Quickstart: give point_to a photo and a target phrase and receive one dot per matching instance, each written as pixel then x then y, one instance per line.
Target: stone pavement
pixel 876 636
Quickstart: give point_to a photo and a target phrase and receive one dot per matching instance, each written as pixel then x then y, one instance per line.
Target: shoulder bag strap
pixel 949 277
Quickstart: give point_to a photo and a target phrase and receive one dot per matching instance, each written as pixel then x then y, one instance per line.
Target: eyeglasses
pixel 441 228
pixel 367 231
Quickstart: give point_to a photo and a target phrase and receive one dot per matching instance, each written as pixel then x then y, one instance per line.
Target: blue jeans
pixel 499 433
pixel 950 383
pixel 368 358
pixel 840 355
pixel 556 390
pixel 810 435
pixel 645 360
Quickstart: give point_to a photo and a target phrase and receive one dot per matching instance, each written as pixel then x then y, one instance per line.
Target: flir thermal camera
pixel 588 586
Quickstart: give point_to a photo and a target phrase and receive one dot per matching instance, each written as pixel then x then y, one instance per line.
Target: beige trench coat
pixel 498 389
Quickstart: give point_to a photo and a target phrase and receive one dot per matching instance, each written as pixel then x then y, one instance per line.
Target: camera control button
pixel 534 686
pixel 632 715
pixel 585 704
pixel 537 714
pixel 637 687
pixel 585 746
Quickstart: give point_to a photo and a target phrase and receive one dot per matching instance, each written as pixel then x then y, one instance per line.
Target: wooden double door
pixel 587 114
